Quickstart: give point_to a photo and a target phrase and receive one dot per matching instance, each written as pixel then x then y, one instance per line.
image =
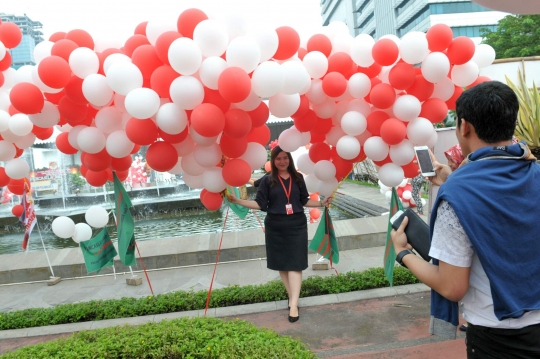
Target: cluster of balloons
pixel 199 93
pixel 404 192
pixel 64 227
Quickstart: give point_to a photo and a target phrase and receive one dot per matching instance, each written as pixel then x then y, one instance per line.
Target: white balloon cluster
pixel 64 227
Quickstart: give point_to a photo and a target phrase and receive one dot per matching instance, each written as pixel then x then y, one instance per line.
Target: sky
pixel 112 22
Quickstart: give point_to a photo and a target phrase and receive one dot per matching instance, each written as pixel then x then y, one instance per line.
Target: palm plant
pixel 528 125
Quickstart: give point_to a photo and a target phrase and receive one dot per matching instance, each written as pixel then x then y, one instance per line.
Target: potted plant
pixel 528 125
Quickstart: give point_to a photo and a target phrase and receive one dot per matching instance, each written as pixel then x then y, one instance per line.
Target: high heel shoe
pixel 295 319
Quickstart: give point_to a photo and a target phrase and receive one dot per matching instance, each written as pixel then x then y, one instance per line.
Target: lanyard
pixel 288 194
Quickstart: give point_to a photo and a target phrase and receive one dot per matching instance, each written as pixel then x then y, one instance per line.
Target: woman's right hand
pixel 232 198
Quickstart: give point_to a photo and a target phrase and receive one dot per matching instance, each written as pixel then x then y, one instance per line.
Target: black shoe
pixel 295 319
pixel 463 328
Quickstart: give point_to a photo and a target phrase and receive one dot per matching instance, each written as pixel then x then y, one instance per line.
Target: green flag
pixel 236 208
pixel 389 251
pixel 324 242
pixel 124 223
pixel 98 252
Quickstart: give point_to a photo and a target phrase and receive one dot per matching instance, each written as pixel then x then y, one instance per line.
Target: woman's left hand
pixel 326 201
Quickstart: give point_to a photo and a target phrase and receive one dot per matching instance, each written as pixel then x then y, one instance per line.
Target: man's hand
pixel 399 238
pixel 442 171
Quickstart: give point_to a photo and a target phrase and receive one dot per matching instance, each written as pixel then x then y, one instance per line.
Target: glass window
pixel 456 8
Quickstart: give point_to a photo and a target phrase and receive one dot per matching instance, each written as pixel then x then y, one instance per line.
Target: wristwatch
pixel 403 253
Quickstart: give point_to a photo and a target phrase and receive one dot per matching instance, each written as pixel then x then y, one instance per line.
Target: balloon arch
pixel 195 94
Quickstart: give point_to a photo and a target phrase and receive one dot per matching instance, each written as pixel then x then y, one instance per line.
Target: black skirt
pixel 286 238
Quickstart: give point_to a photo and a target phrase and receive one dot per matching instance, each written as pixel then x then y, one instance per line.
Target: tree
pixel 516 36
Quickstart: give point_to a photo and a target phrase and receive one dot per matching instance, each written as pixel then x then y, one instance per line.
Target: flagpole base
pixel 54 281
pixel 321 264
pixel 134 280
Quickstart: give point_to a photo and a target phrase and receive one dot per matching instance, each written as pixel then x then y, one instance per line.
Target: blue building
pixel 32 35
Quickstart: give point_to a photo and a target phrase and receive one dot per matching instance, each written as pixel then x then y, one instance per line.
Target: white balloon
pixel 210 70
pixel 9 136
pixel 17 168
pixel 432 140
pixel 177 169
pixel 118 144
pixel 306 138
pixel 315 94
pixel 212 38
pixel 353 123
pixel 193 181
pixel 361 48
pixel 311 183
pixel 10 79
pixel 96 90
pixel 466 74
pixel 20 124
pixel 207 156
pixel 444 89
pixel 304 163
pixel 187 92
pixel 113 59
pixel 326 188
pixel 290 140
pixel 283 106
pixel 413 47
pixel 255 155
pixel 435 67
pixel 267 79
pixel 484 55
pixel 73 136
pixel 268 42
pixel 213 181
pixel 82 233
pixel 24 74
pixel 419 131
pixel 390 174
pixel 295 77
pixel 2 50
pixel 123 77
pixel 388 195
pixel 376 149
pixel 250 103
pixel 342 43
pixel 185 147
pixel 348 147
pixel 4 97
pixel 407 108
pixel 7 151
pixel 332 137
pixel 359 85
pixel 362 138
pixel 109 119
pixel 316 64
pixel 406 195
pixel 96 216
pixel 142 103
pixel 201 140
pixel 325 109
pixel 236 26
pixel 324 170
pixel 155 28
pixel 4 120
pixel 171 119
pixel 63 227
pixel 243 52
pixel 403 153
pixel 191 166
pixel 185 56
pixel 359 105
pixel 42 50
pixel 91 140
pixel 48 117
pixel 83 62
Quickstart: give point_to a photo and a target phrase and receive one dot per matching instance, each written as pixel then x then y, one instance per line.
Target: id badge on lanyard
pixel 288 206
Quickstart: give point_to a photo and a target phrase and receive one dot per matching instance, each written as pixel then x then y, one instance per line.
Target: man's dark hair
pixel 492 108
pixel 291 169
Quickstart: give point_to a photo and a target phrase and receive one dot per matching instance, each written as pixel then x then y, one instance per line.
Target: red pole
pixel 144 269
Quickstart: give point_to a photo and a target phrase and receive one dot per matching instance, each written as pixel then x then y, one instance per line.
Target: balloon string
pixel 260 223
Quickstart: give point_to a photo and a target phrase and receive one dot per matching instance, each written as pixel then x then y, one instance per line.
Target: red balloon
pixel 63 48
pixel 461 50
pixel 371 71
pixel 334 84
pixel 319 151
pixel 322 127
pixel 96 161
pixel 161 156
pixel 213 97
pixel 161 80
pixel 302 109
pixel 63 145
pixel 81 38
pixel 385 52
pixel 141 132
pixel 382 95
pixel 401 76
pixel 44 133
pixel 289 43
pixel 5 63
pixel 54 72
pixel 134 42
pixel 17 210
pixel 207 120
pixel 188 20
pixel 259 134
pixel 73 113
pixel 383 162
pixel 19 151
pixel 141 28
pixel 122 175
pixel 57 36
pixel 375 121
pixel 135 149
pixel 307 122
pixel 4 179
pixel 2 79
pixel 237 123
pixel 27 98
pixel 439 37
pixel 434 109
pixel 341 62
pixel 163 43
pixel 179 137
pixel 212 201
pixel 479 80
pixel 410 170
pixel 236 172
pixel 54 97
pixel 260 115
pixel 234 84
pixel 422 89
pixel 96 179
pixel 451 102
pixel 73 91
pixel 16 186
pixel 301 53
pixel 393 131
pixel 233 147
pixel 146 59
pixel 121 164
pixel 10 34
pixel 321 43
pixel 314 213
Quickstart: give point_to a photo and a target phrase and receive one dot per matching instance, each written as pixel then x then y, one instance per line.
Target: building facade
pixel 31 36
pixel 398 17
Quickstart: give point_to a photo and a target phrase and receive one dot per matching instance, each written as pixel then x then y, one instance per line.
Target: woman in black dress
pixel 283 195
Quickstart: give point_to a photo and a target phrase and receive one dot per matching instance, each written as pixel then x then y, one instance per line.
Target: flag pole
pixel 144 269
pixel 45 249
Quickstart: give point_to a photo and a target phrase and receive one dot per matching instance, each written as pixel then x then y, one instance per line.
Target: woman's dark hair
pixel 291 169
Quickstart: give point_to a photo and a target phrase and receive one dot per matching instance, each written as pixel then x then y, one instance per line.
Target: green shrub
pixel 179 338
pixel 183 301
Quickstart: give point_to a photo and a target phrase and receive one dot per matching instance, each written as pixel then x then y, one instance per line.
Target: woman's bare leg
pixel 295 283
